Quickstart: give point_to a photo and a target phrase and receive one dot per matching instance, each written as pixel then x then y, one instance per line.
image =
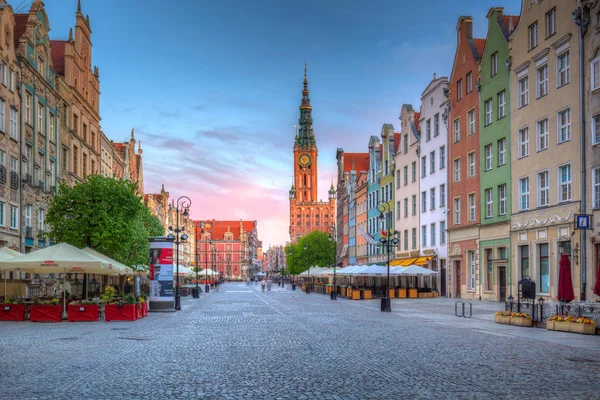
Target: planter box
pixel 401 293
pixel 436 294
pixel 557 326
pixel 82 312
pixel 349 292
pixel 392 294
pixel 145 309
pixel 127 312
pixel 582 328
pixel 518 321
pixel 356 295
pixel 413 294
pixel 12 312
pixel 367 294
pixel 45 313
pixel 502 319
pixel 139 312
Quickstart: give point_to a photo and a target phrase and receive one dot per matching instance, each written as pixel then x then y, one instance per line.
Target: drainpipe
pixel 21 133
pixel 581 18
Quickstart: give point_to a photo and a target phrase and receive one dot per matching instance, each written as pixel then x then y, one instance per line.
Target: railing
pixel 28 232
pixel 2 174
pixel 14 179
pixel 27 178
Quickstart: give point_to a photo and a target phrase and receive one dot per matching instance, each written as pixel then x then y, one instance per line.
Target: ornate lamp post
pixel 308 282
pixel 332 238
pixel 196 293
pixel 293 270
pixel 206 285
pixel 184 204
pixel 388 243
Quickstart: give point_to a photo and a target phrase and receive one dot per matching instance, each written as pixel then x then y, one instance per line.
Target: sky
pixel 212 88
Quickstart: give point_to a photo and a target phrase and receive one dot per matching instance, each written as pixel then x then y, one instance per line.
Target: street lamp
pixel 206 285
pixel 184 204
pixel 293 270
pixel 387 242
pixel 196 293
pixel 308 282
pixel 332 238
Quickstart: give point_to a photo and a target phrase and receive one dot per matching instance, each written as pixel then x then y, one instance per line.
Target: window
pixel 406 207
pixel 406 239
pixel 52 176
pixel 431 162
pixel 414 171
pixel 40 121
pixel 523 92
pixel 564 176
pixel 544 268
pixel 14 164
pixel 469 82
pixel 524 194
pixel 501 104
pixel 432 238
pixel 2 115
pixel 523 142
pixel 398 178
pixel 456 130
pixel 595 75
pixel 472 270
pixel 41 67
pixel 428 130
pixel 489 203
pixel 436 125
pixel 75 160
pixel 501 151
pixel 488 157
pixel 551 22
pixel 386 161
pixel 414 238
pixel 564 125
pixel 524 255
pixel 51 133
pixel 543 188
pixel 28 209
pixel 457 170
pixel 414 204
pixel 41 220
pixel 442 232
pixel 443 156
pixel 406 175
pixel 2 213
pixel 459 91
pixel 488 111
pixel 424 236
pixel 28 102
pixel 11 80
pixel 432 198
pixel 405 143
pixel 14 126
pixel 423 166
pixel 14 217
pixel 472 170
pixel 542 81
pixel 471 118
pixel 76 124
pixel 563 69
pixel 443 195
pixel 472 207
pixel 502 199
pixel 398 213
pixel 533 35
pixel 424 201
pixel 494 65
pixel 3 73
pixel 542 134
pixel 596 188
pixel 457 211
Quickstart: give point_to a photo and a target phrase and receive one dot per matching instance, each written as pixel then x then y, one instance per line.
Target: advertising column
pixel 161 275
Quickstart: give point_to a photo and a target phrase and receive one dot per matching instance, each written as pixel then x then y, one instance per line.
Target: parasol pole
pixel 64 293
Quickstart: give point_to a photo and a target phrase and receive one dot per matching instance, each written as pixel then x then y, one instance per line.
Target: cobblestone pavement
pixel 239 343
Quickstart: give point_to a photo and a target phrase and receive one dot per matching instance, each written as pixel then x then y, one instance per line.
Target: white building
pixel 433 186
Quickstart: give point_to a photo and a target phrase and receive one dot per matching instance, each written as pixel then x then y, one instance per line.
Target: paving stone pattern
pixel 240 343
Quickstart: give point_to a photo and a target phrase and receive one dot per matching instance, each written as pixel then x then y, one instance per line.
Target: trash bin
pixel 196 293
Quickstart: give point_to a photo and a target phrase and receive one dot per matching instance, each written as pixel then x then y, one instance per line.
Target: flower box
pixel 392 294
pixel 519 321
pixel 145 309
pixel 45 313
pixel 367 294
pixel 12 312
pixel 401 293
pixel 413 294
pixel 116 312
pixel 355 295
pixel 557 326
pixel 82 312
pixel 139 311
pixel 501 319
pixel 585 329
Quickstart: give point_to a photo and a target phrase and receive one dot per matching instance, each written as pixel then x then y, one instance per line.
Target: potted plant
pixel 569 323
pixel 11 310
pixel 559 323
pixel 586 326
pixel 46 311
pixel 520 319
pixel 120 309
pixel 502 317
pixel 83 310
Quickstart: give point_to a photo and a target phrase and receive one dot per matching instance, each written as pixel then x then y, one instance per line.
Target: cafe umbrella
pixel 565 282
pixel 7 254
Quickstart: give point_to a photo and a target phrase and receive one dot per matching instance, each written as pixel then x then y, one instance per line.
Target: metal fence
pixel 542 311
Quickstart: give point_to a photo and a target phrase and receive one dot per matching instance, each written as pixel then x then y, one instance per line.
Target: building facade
pixel 433 183
pixel 307 213
pixel 362 257
pixel 463 173
pixel 374 251
pixel 386 182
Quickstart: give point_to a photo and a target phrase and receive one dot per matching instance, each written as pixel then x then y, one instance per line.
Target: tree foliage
pixel 319 252
pixel 106 215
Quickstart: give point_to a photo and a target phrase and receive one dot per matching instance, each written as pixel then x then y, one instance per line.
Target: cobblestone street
pixel 283 344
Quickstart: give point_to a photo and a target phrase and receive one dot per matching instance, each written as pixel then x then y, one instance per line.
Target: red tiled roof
pixel 58 55
pixel 417 118
pixel 397 136
pixel 506 22
pixel 20 27
pixel 479 46
pixel 361 161
pixel 119 146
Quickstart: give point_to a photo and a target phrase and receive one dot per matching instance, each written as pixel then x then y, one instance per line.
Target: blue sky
pixel 212 88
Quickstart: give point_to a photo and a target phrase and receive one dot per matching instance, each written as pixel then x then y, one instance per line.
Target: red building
pixel 229 247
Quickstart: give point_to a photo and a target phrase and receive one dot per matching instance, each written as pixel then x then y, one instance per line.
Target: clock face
pixel 304 160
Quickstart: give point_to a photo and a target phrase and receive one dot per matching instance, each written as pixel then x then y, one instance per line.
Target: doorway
pixel 457 279
pixel 443 283
pixel 502 282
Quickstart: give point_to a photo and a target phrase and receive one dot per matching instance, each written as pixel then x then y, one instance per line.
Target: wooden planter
pixel 502 319
pixel 349 292
pixel 367 294
pixel 82 312
pixel 45 313
pixel 519 321
pixel 392 294
pixel 126 312
pixel 571 327
pixel 12 312
pixel 413 294
pixel 356 295
pixel 401 293
pixel 557 326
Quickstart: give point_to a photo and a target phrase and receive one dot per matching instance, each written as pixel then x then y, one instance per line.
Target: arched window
pixel 305 180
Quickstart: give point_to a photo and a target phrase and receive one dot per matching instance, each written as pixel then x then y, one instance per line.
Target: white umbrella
pixel 414 270
pixel 125 270
pixel 7 254
pixel 184 271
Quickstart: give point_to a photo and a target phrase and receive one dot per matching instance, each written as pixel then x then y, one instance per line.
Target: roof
pixel 417 118
pixel 361 161
pixel 397 136
pixel 20 27
pixel 57 53
pixel 479 46
pixel 219 228
pixel 506 22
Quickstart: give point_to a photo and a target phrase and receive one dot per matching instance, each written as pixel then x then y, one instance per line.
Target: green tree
pixel 106 215
pixel 319 252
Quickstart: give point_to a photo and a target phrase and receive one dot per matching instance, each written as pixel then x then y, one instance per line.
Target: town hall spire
pixel 306 136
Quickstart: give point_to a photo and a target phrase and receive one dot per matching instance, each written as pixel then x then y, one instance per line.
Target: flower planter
pixel 392 294
pixel 519 321
pixel 45 313
pixel 557 326
pixel 585 329
pixel 115 312
pixel 145 309
pixel 12 312
pixel 502 319
pixel 82 312
pixel 413 294
pixel 401 293
pixel 139 312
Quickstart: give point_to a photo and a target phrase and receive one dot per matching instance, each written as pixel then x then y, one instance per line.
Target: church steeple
pixel 306 136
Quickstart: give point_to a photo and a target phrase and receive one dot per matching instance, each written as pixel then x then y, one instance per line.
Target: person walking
pixel 269 283
pixel 262 285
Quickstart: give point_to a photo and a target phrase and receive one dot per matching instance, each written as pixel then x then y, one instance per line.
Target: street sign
pixel 583 221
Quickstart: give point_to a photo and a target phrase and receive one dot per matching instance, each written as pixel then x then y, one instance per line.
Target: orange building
pixel 307 214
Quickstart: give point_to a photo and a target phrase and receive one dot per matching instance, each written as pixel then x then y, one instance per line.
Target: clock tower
pixel 306 212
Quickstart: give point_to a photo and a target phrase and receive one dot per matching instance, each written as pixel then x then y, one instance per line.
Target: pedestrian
pixel 269 283
pixel 262 284
pixel 248 281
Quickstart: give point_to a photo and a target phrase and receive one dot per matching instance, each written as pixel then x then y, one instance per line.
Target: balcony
pixel 14 179
pixel 2 174
pixel 27 178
